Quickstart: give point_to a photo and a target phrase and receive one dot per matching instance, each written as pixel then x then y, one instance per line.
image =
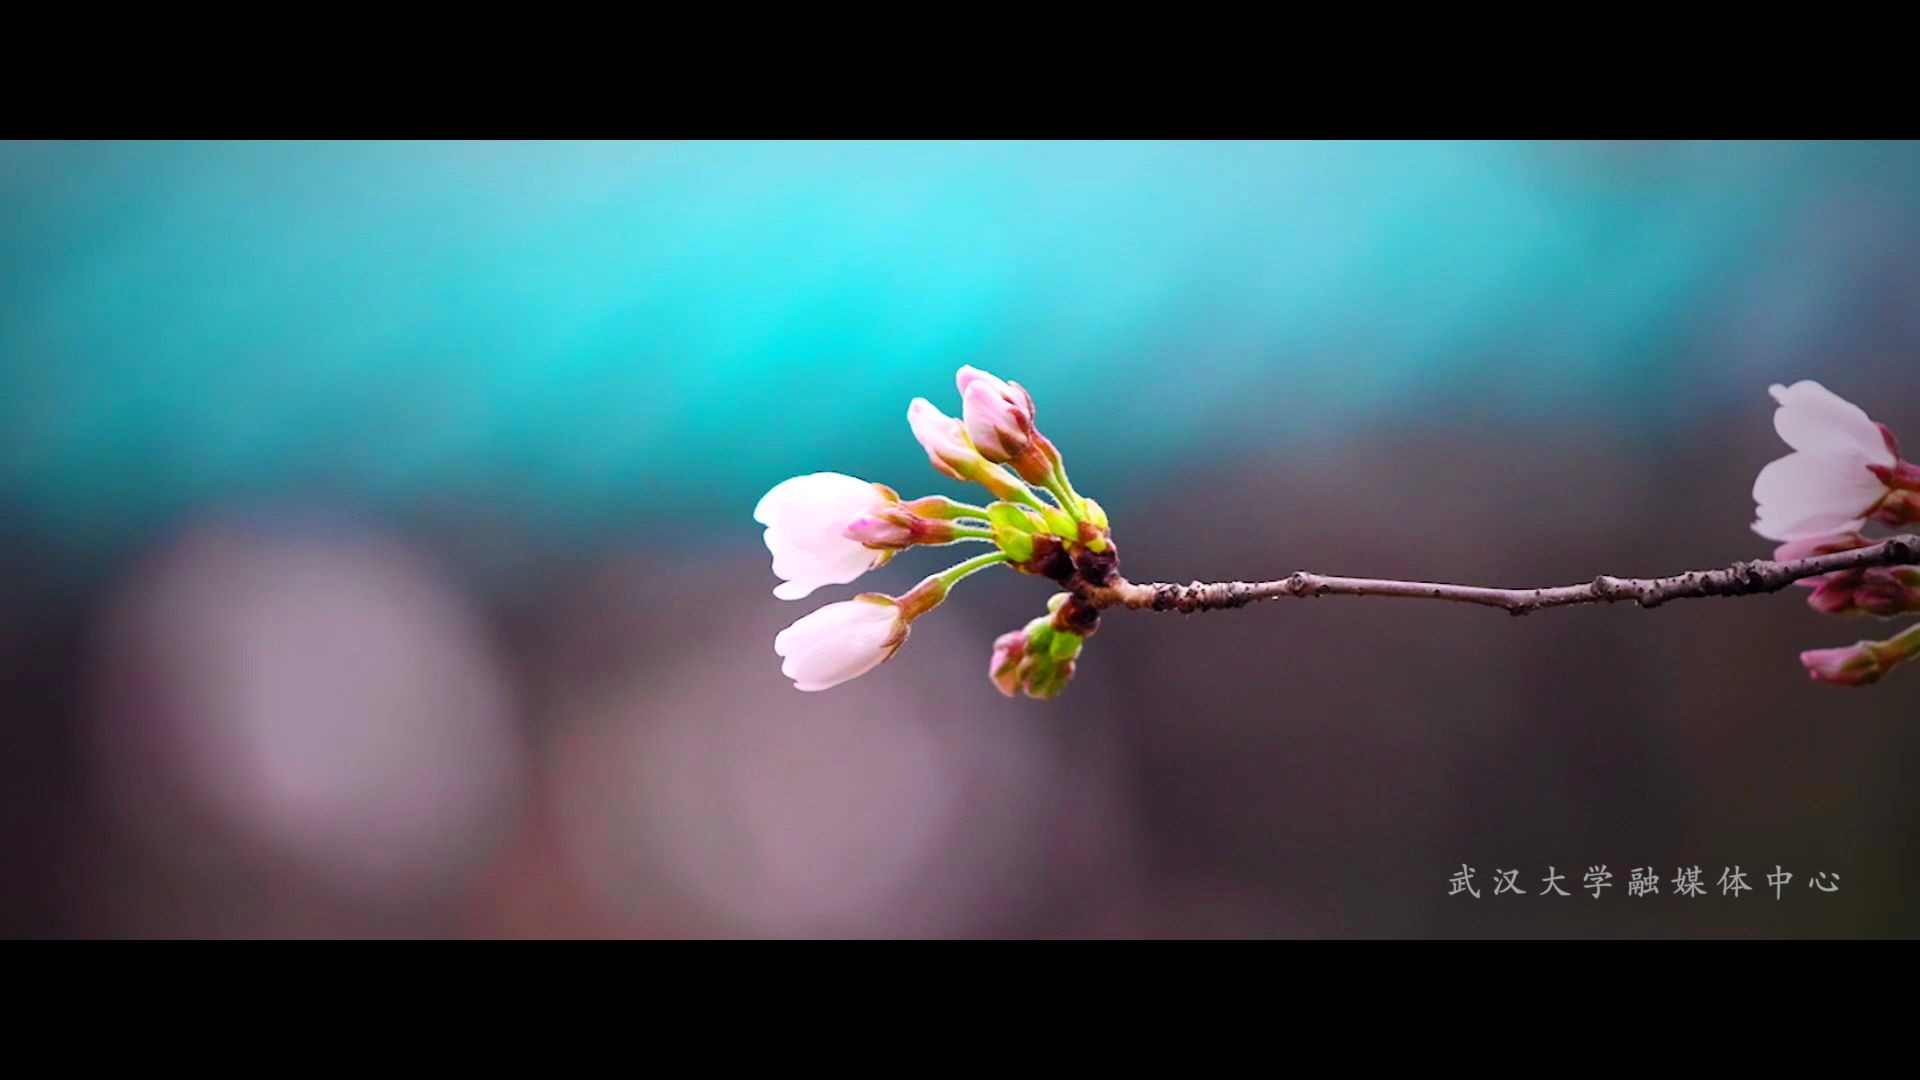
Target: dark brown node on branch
pixel 1077 616
pixel 1097 567
pixel 1050 560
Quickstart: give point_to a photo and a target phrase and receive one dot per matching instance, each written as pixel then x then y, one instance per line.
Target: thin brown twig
pixel 1740 579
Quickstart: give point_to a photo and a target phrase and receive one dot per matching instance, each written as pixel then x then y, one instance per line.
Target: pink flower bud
pixel 1833 595
pixel 1004 668
pixel 1039 659
pixel 1880 590
pixel 882 530
pixel 1854 665
pixel 1887 591
pixel 944 439
pixel 999 415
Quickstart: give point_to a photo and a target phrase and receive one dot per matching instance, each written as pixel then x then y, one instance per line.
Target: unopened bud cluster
pixel 1844 473
pixel 830 528
pixel 1038 659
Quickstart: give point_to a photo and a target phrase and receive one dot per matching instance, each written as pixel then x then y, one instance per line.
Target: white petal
pixel 806 569
pixel 1807 494
pixel 1780 528
pixel 838 642
pixel 969 375
pixel 938 432
pixel 1817 420
pixel 822 526
pixel 811 489
pixel 806 519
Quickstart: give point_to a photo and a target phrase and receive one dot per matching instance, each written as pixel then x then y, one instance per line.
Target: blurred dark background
pixel 378 557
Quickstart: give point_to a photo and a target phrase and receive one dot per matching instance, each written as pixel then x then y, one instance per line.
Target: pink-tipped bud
pixel 1833 594
pixel 1855 665
pixel 882 530
pixel 944 439
pixel 1887 591
pixel 998 415
pixel 1883 591
pixel 896 526
pixel 1004 669
pixel 1039 659
pixel 952 454
pixel 1880 591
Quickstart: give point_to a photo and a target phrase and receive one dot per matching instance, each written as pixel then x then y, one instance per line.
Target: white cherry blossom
pixel 1827 485
pixel 807 518
pixel 841 641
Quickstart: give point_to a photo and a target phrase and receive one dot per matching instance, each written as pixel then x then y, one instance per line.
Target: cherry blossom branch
pixel 826 528
pixel 1740 579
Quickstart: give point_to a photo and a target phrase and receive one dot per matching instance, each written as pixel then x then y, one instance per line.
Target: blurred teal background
pixel 376 555
pixel 586 334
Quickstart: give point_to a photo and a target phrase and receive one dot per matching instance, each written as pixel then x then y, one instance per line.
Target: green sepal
pixel 1012 516
pixel 1060 523
pixel 1018 545
pixel 1064 646
pixel 1095 513
pixel 1048 680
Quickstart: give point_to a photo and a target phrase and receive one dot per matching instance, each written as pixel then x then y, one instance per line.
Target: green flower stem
pixel 1057 481
pixel 968 532
pixel 1060 470
pixel 1063 493
pixel 1005 485
pixel 951 575
pixel 927 595
pixel 942 508
pixel 1901 647
pixel 1025 494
